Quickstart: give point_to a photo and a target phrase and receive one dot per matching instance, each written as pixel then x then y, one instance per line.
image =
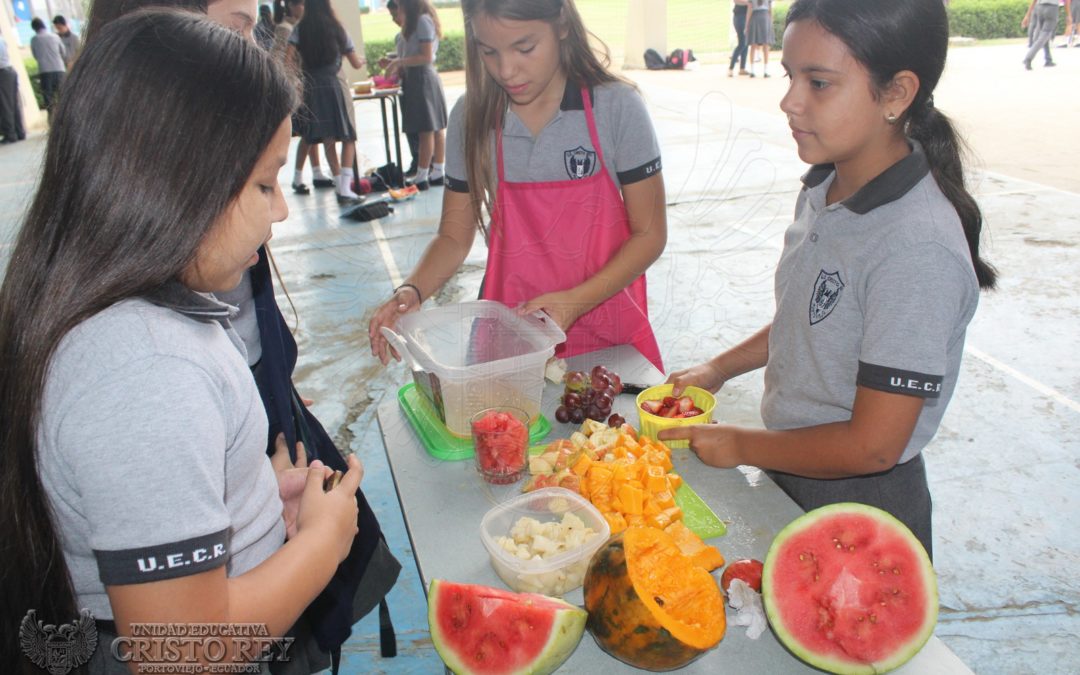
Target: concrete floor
pixel 1005 465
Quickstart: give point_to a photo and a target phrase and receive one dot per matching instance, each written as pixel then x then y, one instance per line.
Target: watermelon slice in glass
pixel 501 443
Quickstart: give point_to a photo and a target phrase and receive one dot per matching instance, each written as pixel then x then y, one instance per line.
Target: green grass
pixel 701 25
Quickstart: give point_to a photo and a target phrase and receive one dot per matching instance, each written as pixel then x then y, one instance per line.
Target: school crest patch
pixel 827 290
pixel 579 162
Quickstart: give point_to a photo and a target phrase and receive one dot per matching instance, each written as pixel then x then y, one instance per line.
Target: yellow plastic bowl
pixel 651 424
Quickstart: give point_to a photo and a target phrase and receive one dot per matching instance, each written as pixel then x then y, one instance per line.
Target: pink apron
pixel 553 235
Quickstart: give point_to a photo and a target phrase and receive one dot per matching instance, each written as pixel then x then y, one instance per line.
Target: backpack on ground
pixel 678 59
pixel 654 61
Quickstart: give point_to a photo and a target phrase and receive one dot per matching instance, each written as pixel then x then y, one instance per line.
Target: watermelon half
pixel 489 631
pixel 849 589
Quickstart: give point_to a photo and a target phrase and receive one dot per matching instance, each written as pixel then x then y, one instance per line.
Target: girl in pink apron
pixel 562 156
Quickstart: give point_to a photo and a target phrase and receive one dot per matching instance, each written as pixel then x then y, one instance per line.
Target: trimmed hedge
pixel 451 53
pixel 979 19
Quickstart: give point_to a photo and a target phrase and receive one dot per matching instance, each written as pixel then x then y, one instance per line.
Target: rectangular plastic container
pixel 560 573
pixel 476 355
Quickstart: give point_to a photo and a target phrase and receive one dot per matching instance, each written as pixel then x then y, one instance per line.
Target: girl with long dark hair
pixel 318 44
pixel 880 272
pixel 136 483
pixel 562 155
pixel 423 100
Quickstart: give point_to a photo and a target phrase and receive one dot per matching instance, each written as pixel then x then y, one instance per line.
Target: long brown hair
pixel 122 207
pixel 414 9
pixel 487 102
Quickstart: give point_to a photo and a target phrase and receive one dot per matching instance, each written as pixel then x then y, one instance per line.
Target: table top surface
pixel 443 503
pixel 377 94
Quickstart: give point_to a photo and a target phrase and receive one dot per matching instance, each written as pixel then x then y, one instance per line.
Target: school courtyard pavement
pixel 1005 466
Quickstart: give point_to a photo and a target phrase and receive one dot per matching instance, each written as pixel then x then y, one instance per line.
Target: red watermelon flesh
pixel 849 589
pixel 489 631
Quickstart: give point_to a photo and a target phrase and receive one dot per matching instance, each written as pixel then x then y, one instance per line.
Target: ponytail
pixel 931 128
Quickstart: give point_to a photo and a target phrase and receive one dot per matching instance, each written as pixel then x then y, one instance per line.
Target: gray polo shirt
pixel 48 51
pixel 71 47
pixel 876 291
pixel 563 149
pixel 152 448
pixel 425 32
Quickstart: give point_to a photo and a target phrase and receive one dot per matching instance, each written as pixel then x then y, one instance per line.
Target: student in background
pixel 759 33
pixel 11 120
pixel 318 44
pixel 412 137
pixel 1042 17
pixel 48 51
pixel 423 100
pixel 561 153
pixel 68 38
pixel 880 272
pixel 739 10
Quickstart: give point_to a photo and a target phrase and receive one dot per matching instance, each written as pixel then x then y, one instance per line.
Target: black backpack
pixel 654 61
pixel 678 58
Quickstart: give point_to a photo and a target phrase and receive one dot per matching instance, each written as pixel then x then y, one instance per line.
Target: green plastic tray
pixel 437 439
pixel 696 513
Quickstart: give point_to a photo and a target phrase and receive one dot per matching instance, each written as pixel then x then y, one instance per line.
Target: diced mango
pixel 582 465
pixel 675 481
pixel 658 520
pixel 664 499
pixel 673 513
pixel 636 521
pixel 616 521
pixel 655 480
pixel 632 499
pixel 650 508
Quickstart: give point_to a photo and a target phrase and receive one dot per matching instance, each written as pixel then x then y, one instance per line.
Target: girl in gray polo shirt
pixel 880 272
pixel 136 483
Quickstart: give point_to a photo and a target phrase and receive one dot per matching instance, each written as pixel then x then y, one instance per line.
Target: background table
pixel 383 96
pixel 443 502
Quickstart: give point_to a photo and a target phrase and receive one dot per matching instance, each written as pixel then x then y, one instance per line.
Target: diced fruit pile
pixel 670 406
pixel 627 478
pixel 589 396
pixel 532 540
pixel 501 447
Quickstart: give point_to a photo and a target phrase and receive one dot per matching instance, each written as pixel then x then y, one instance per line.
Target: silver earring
pixel 890 118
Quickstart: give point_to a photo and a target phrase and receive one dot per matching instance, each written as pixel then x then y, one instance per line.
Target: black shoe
pixel 300 189
pixel 342 200
pixel 766 75
pixel 441 179
pixel 323 182
pixel 1049 64
pixel 422 185
pixel 1027 65
pixel 411 173
pixel 8 140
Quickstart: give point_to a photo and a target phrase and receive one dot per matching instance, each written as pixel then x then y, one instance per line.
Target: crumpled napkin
pixel 750 611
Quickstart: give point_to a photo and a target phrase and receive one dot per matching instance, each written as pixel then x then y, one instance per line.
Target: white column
pixel 646 28
pixel 34 119
pixel 348 13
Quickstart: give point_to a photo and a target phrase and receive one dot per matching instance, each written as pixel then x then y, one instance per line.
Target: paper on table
pixel 748 603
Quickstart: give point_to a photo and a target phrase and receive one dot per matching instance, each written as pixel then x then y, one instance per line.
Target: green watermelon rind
pixel 832 665
pixel 567 630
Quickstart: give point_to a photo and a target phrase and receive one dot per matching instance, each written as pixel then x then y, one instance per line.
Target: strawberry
pixel 669 401
pixel 651 407
pixel 686 404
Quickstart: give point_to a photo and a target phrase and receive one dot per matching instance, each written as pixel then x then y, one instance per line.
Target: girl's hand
pixel 291 480
pixel 405 300
pixel 714 444
pixel 384 62
pixel 705 375
pixel 331 514
pixel 561 306
pixel 393 68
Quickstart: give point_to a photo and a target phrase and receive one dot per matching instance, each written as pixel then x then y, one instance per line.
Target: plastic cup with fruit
pixel 501 444
pixel 403 194
pixel 659 410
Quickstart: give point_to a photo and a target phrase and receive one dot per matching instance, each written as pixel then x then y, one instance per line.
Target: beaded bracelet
pixel 419 297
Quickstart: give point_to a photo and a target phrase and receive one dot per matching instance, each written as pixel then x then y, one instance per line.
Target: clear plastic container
pixel 555 575
pixel 476 355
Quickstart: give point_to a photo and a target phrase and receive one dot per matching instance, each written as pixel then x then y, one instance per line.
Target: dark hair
pixel 322 37
pixel 886 38
pixel 104 12
pixel 59 20
pixel 487 100
pixel 120 211
pixel 391 5
pixel 37 24
pixel 414 9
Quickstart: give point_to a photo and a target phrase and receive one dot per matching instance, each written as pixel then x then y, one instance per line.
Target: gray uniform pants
pixel 1044 22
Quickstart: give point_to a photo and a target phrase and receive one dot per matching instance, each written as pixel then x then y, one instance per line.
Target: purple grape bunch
pixel 590 395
